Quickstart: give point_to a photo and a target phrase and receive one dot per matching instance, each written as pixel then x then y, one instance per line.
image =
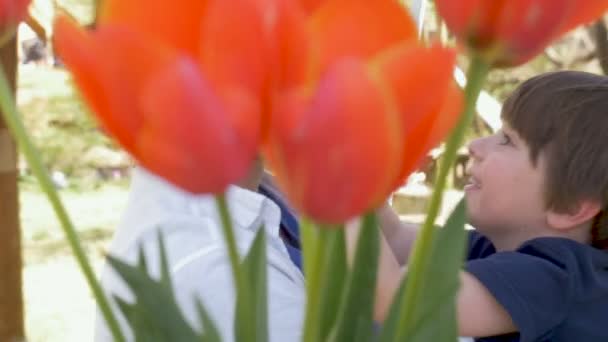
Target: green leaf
pixel 356 315
pixel 128 310
pixel 143 329
pixel 325 268
pixel 141 259
pixel 251 322
pixel 314 242
pixel 155 314
pixel 154 309
pixel 210 332
pixel 336 271
pixel 310 246
pixel 434 317
pixel 165 272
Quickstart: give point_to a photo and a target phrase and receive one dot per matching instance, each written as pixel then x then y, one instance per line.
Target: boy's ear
pixel 584 211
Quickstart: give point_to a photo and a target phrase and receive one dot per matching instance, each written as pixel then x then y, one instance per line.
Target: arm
pixel 478 312
pixel 399 235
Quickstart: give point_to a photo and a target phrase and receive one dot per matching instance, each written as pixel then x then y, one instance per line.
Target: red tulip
pixel 338 91
pixel 12 12
pixel 376 101
pixel 180 86
pixel 511 32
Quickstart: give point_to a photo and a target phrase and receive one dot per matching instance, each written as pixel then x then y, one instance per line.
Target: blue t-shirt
pixel 555 289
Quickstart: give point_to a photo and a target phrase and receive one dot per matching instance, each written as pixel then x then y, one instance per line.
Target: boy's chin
pixel 471 214
pixel 475 221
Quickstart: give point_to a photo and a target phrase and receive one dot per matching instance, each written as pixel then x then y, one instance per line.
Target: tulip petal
pixel 583 12
pixel 311 5
pixel 11 13
pixel 431 131
pixel 75 47
pixel 457 14
pixel 109 69
pixel 340 150
pixel 448 116
pixel 404 69
pixel 358 28
pixel 190 137
pixel 268 53
pixel 235 47
pixel 178 24
pixel 510 32
pixel 525 28
pixel 292 44
pixel 288 54
pixel 473 21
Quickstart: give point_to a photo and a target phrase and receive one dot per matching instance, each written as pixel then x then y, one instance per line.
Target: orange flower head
pixel 511 32
pixel 182 86
pixel 12 12
pixel 361 122
pixel 339 93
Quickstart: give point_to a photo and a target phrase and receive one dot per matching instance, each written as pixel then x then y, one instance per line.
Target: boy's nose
pixel 475 149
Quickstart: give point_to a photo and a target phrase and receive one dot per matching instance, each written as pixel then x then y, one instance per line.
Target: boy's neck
pixel 510 242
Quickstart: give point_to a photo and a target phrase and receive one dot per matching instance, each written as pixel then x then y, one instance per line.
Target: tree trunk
pixel 11 299
pixel 600 37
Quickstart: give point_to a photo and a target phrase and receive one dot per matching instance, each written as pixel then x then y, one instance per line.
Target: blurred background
pixel 93 174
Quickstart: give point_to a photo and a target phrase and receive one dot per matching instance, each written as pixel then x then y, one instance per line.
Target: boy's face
pixel 505 192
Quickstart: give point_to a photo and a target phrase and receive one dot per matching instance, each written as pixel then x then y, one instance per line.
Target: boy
pixel 536 268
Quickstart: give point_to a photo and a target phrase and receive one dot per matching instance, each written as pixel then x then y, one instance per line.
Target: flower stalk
pixel 17 129
pixel 422 248
pixel 228 231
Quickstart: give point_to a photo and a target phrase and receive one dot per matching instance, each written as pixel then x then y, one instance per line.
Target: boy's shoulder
pixel 551 287
pixel 560 252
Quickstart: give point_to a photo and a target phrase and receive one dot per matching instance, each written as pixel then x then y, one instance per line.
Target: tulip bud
pixel 11 13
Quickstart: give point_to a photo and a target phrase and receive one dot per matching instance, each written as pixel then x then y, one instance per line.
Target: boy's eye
pixel 505 139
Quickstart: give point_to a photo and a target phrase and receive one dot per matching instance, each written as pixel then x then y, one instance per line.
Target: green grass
pixel 58 303
pixel 67 136
pixel 91 211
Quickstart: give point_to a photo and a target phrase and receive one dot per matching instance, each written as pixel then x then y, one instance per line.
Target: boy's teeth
pixel 473 182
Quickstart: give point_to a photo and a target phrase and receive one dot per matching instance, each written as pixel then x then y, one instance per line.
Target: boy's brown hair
pixel 564 116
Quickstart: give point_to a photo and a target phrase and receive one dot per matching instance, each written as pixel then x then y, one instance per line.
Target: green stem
pixel 315 242
pixel 230 240
pixel 309 237
pixel 14 123
pixel 422 249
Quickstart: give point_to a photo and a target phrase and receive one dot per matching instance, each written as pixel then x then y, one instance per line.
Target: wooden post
pixel 599 32
pixel 11 298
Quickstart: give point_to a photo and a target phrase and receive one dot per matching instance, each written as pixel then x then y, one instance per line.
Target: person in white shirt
pixel 197 255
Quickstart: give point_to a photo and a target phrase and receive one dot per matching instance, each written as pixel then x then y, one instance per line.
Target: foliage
pixel 69 140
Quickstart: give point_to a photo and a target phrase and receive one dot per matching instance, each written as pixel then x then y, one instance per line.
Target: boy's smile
pixel 505 190
pixel 472 184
